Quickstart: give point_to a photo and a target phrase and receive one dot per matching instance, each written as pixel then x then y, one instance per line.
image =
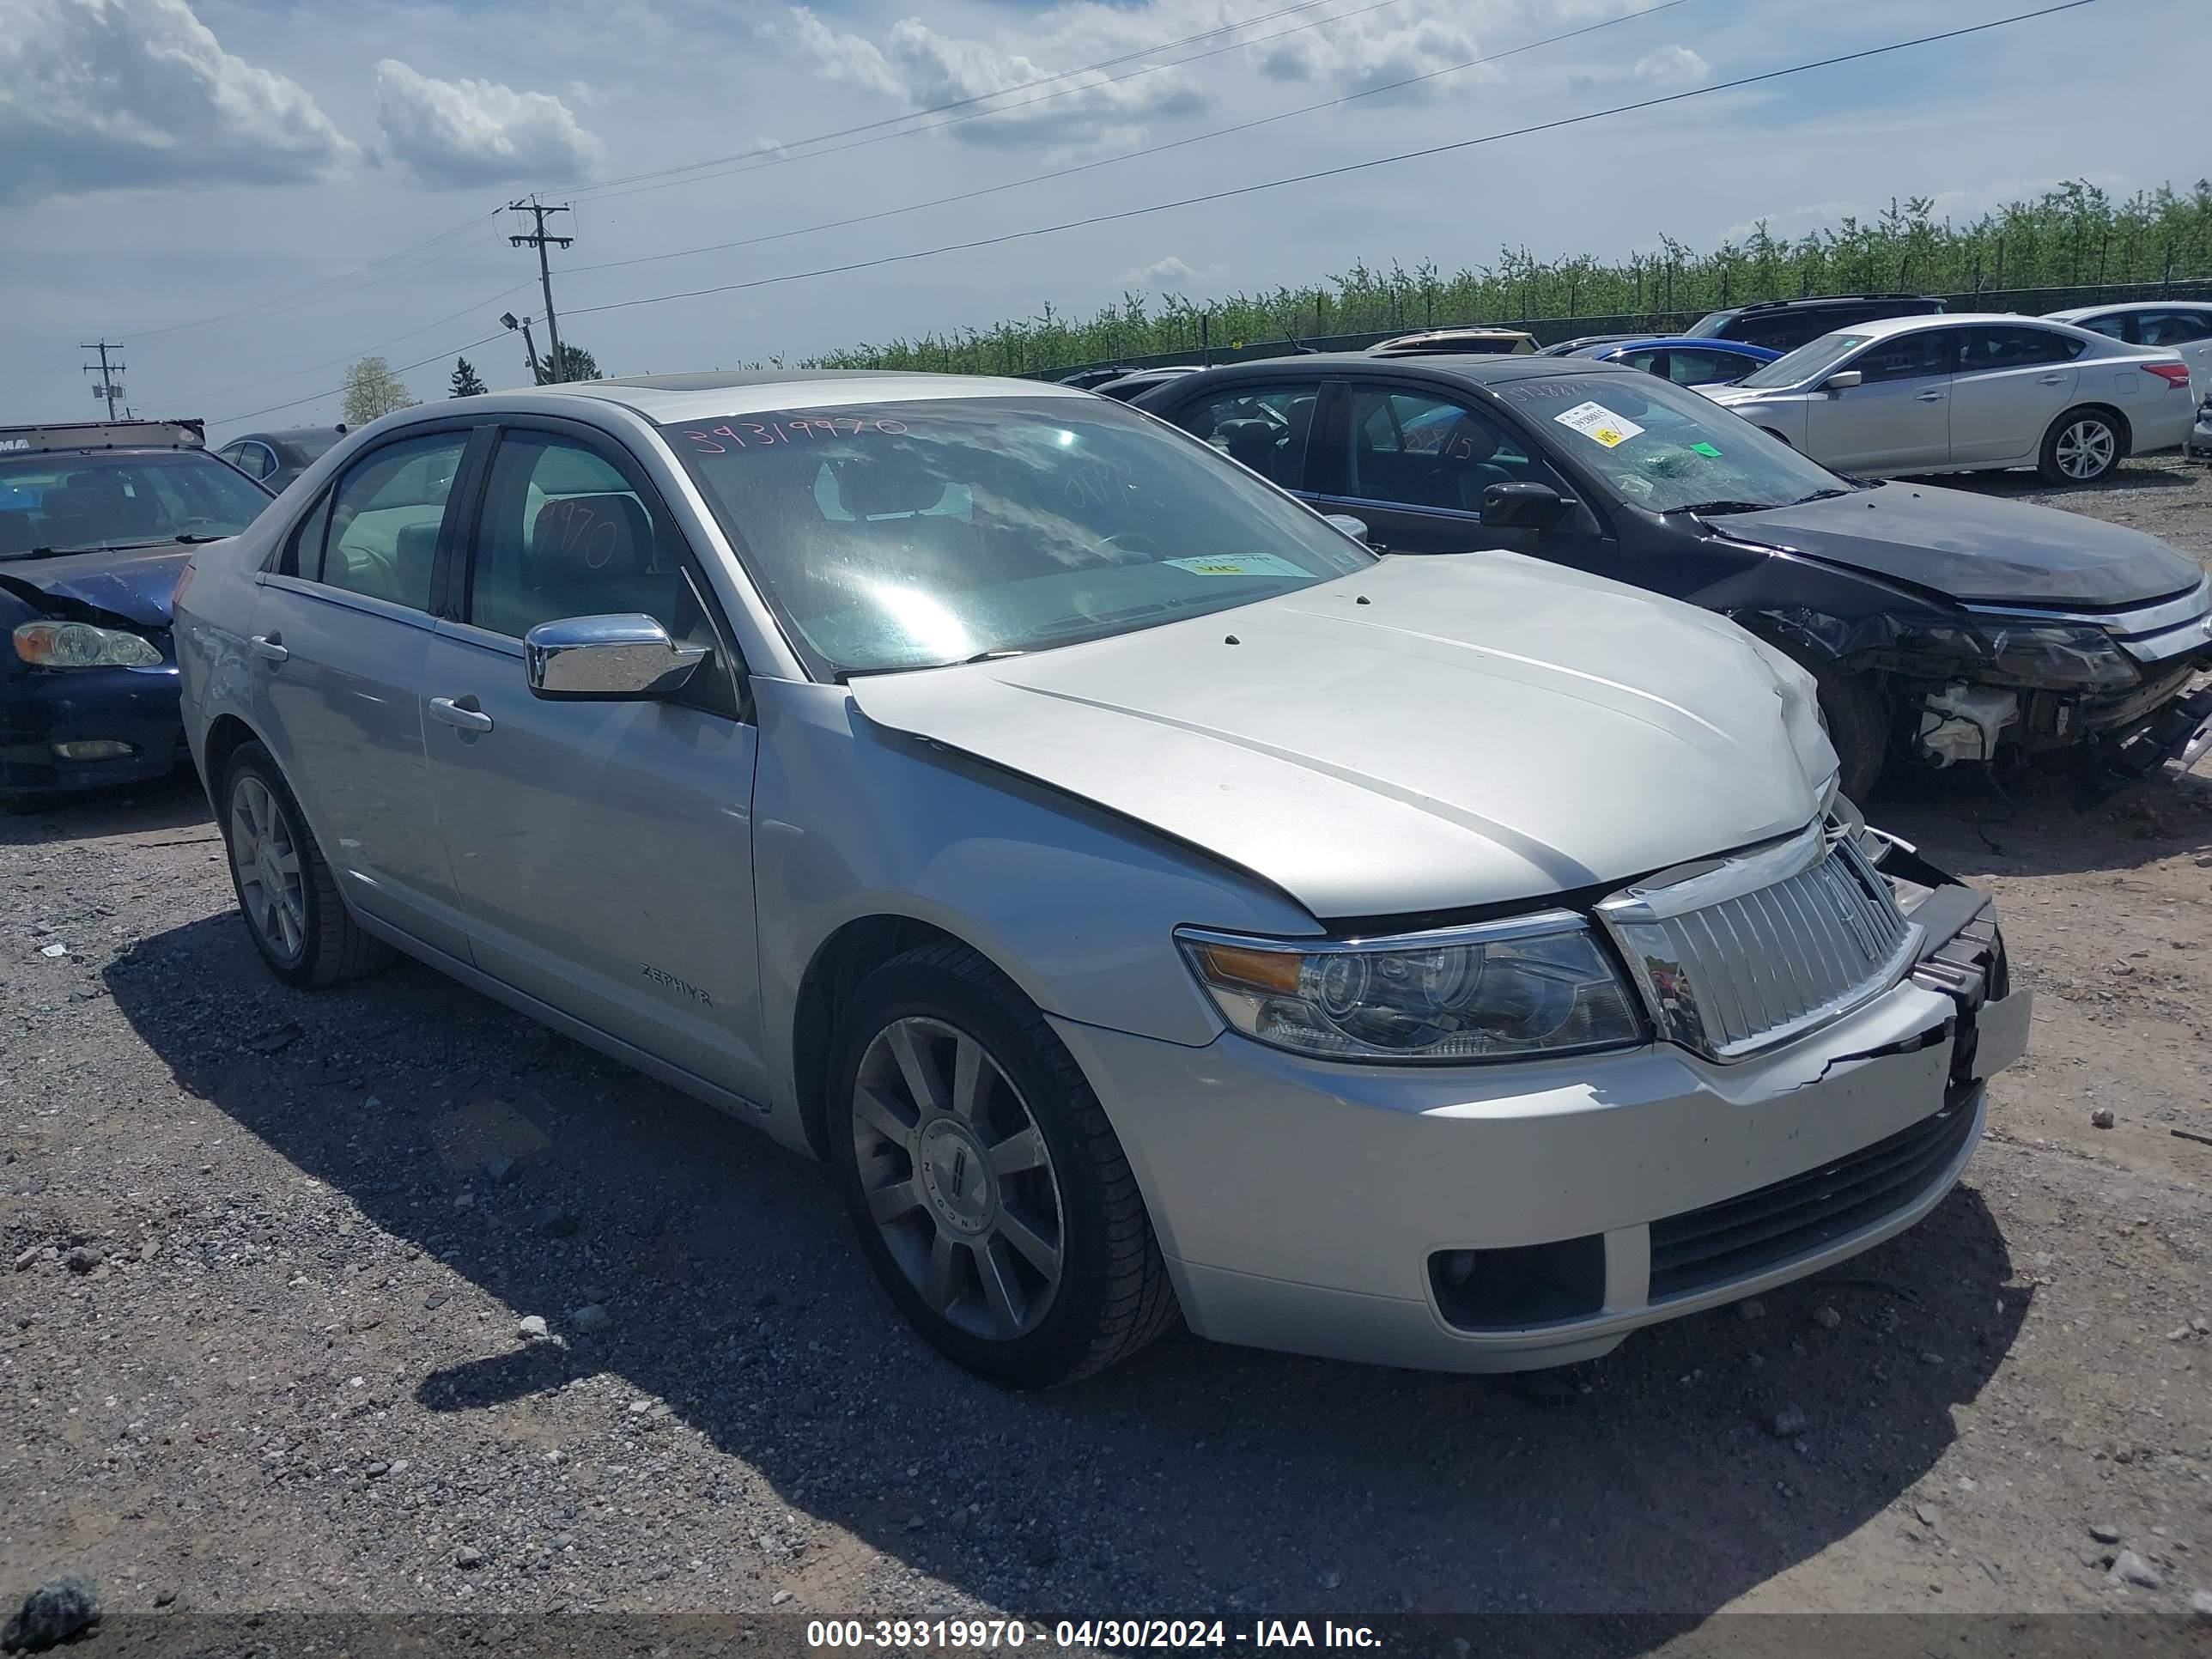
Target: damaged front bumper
pixel 1516 1216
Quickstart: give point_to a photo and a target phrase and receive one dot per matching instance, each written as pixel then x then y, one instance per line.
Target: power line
pixel 335 391
pixel 1133 154
pixel 1860 55
pixel 613 185
pixel 251 307
pixel 351 357
pixel 1339 172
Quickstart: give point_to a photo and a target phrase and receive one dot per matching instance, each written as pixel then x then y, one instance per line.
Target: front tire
pixel 2081 447
pixel 990 1194
pixel 286 891
pixel 1857 718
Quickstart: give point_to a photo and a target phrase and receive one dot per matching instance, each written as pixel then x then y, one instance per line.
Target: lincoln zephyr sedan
pixel 1154 906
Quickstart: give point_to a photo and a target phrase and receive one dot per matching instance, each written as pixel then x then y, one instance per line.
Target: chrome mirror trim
pixel 615 659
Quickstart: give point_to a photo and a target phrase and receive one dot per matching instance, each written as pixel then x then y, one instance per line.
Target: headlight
pixel 79 645
pixel 2038 655
pixel 1495 991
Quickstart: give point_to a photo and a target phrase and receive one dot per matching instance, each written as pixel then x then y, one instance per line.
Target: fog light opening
pixel 94 749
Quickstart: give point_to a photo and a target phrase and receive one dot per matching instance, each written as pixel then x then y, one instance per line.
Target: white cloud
pixel 1082 114
pixel 1379 50
pixel 451 133
pixel 1173 271
pixel 116 94
pixel 1672 66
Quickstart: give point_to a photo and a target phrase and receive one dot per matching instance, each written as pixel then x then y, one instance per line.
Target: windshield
pixel 1664 447
pixel 918 534
pixel 1809 361
pixel 67 503
pixel 1708 327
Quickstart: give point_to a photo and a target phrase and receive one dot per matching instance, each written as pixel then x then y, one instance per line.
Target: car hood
pixel 1976 547
pixel 1430 734
pixel 136 584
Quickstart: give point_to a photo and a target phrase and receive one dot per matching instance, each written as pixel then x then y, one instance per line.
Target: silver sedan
pixel 1150 903
pixel 1957 393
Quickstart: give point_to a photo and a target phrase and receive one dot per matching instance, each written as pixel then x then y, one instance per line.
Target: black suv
pixel 1786 324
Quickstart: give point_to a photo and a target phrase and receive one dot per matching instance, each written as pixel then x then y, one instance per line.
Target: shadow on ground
pixel 2029 819
pixel 1197 1478
pixel 175 802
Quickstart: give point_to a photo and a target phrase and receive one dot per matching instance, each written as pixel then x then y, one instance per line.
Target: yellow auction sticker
pixel 1241 564
pixel 1599 424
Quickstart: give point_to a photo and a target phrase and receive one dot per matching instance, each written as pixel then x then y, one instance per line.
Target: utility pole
pixel 537 239
pixel 107 388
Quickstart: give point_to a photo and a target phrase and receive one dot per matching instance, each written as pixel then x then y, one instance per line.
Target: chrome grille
pixel 1740 954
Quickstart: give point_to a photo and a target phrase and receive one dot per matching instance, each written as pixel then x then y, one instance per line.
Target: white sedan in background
pixel 1963 393
pixel 2182 325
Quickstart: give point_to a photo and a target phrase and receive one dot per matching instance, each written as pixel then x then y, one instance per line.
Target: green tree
pixel 576 364
pixel 466 382
pixel 373 390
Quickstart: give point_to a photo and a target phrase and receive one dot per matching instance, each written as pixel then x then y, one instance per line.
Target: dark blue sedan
pixel 1685 362
pixel 96 523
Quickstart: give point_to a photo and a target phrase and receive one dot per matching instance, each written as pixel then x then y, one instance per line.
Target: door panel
pixel 603 850
pixel 1898 418
pixel 2012 382
pixel 338 683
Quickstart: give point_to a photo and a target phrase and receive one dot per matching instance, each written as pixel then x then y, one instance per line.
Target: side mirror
pixel 1524 506
pixel 1843 381
pixel 1355 528
pixel 627 658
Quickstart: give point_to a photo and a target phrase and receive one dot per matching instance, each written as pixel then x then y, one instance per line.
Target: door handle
pixel 268 646
pixel 2051 380
pixel 468 720
pixel 1930 396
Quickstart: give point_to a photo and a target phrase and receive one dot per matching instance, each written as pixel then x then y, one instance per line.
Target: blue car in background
pixel 97 522
pixel 1681 359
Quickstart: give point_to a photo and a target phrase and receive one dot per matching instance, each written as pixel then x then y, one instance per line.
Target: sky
pixel 248 194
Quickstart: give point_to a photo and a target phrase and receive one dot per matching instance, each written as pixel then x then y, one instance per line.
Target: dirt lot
pixel 259 1348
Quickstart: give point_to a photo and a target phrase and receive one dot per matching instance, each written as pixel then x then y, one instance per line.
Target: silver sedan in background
pixel 1150 902
pixel 1961 393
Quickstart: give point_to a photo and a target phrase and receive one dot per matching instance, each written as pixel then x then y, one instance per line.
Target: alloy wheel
pixel 958 1179
pixel 2085 449
pixel 267 860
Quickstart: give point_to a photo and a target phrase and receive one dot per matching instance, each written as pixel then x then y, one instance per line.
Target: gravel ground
pixel 269 1257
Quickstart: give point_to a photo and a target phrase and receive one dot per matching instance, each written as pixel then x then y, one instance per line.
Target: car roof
pixel 666 398
pixel 2074 312
pixel 1882 327
pixel 1462 365
pixel 1817 301
pixel 286 434
pixel 1701 342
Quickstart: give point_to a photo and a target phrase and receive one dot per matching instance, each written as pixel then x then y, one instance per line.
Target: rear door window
pixel 1984 349
pixel 385 518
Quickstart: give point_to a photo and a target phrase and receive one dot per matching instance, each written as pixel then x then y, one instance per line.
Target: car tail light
pixel 184 581
pixel 2174 374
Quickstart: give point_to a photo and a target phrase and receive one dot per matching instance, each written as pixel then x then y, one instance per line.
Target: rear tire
pixel 989 1192
pixel 286 891
pixel 2081 447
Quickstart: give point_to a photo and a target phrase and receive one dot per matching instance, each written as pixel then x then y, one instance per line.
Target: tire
pixel 1857 717
pixel 938 1220
pixel 286 891
pixel 2081 439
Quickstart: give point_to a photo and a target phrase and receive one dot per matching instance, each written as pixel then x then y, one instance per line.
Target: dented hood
pixel 136 584
pixel 1430 734
pixel 1976 548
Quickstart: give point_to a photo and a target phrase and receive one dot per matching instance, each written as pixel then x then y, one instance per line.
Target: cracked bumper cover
pixel 1301 1204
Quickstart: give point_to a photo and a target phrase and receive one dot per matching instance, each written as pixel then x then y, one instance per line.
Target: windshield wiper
pixel 1704 508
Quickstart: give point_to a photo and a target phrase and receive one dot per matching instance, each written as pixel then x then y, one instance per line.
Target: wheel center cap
pixel 956 1178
